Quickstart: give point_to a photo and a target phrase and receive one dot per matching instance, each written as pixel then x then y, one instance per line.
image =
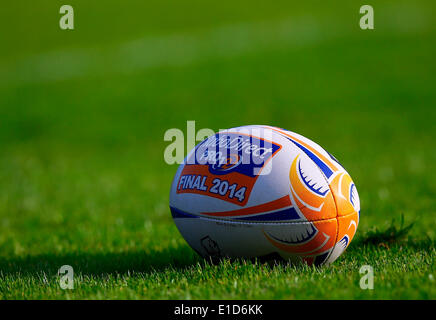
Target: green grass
pixel 403 270
pixel 82 118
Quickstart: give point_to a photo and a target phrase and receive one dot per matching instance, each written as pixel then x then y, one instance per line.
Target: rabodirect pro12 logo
pixel 226 166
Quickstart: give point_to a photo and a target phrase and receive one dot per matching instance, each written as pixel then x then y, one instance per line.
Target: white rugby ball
pixel 265 192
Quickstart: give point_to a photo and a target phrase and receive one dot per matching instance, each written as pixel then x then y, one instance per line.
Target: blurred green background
pixel 83 113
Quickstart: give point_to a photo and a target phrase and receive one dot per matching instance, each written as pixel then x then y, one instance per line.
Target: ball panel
pixel 222 186
pixel 292 241
pixel 316 153
pixel 310 190
pixel 219 238
pixel 347 226
pixel 345 194
pixel 320 237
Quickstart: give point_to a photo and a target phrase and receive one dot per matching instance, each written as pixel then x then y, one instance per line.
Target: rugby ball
pixel 264 192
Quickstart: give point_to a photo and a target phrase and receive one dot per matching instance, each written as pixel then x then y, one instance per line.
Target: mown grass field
pixel 83 113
